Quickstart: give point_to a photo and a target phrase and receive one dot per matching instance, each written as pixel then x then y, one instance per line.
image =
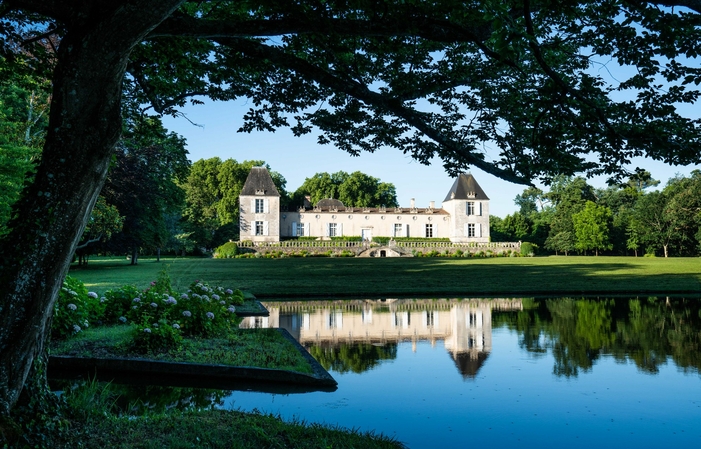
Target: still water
pixel 501 372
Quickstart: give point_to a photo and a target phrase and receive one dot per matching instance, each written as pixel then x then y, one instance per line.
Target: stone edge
pixel 320 378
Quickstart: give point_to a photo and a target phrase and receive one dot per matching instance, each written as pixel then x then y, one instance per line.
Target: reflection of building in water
pixel 465 326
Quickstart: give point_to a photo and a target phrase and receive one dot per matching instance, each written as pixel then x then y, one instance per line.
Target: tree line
pixel 154 199
pixel 625 219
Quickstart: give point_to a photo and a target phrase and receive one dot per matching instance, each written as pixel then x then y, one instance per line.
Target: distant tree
pixel 592 227
pixel 516 227
pixel 105 220
pixel 653 224
pixel 212 189
pixel 684 211
pixel 143 186
pixel 640 180
pixel 562 241
pixel 355 189
pixel 567 196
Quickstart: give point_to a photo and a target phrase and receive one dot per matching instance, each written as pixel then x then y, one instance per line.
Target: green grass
pixel 223 429
pixel 260 348
pixel 351 277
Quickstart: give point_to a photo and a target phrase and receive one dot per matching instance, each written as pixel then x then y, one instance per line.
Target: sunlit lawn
pixel 425 277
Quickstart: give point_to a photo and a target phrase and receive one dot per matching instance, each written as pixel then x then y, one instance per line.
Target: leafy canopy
pixel 518 88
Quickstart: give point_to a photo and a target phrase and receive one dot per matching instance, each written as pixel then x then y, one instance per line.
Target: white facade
pixel 464 216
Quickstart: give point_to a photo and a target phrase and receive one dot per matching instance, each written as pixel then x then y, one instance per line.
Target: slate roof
pixel 259 180
pixel 465 187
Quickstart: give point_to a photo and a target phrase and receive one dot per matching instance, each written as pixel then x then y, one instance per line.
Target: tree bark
pixel 84 126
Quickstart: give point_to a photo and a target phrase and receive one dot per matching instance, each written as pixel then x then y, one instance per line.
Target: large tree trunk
pixel 84 126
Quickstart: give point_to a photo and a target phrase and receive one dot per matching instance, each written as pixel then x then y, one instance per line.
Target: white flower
pixel 92 295
pixel 72 307
pixel 154 305
pixel 171 300
pixel 135 307
pixel 229 291
pixel 215 297
pixel 210 315
pixel 137 299
pixel 123 319
pixel 76 328
pixel 232 309
pixel 205 297
pixel 222 302
pixel 147 330
pixel 183 296
pixel 187 313
pixel 176 326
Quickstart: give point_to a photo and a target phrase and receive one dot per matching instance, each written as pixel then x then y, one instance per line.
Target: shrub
pixel 118 303
pixel 162 284
pixel 528 249
pixel 226 251
pixel 155 337
pixel 74 309
pixel 205 311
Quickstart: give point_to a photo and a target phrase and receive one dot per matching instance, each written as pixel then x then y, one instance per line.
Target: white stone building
pixel 463 217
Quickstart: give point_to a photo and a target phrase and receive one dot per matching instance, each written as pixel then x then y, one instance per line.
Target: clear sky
pixel 297 158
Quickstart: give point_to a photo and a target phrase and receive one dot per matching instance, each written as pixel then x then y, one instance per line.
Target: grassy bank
pixel 350 277
pixel 223 430
pixel 260 348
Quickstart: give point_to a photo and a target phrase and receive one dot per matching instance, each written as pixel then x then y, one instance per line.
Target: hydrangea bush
pixel 75 309
pixel 160 316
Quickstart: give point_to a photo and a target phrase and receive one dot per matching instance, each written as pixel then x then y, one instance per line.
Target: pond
pixel 499 372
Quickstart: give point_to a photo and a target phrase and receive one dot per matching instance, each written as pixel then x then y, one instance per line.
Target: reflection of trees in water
pixel 577 331
pixel 355 357
pixel 136 399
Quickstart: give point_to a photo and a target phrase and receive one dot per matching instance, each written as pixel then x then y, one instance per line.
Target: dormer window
pixel 260 191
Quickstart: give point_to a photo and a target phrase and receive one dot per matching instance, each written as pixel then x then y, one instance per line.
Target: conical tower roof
pixel 259 182
pixel 465 187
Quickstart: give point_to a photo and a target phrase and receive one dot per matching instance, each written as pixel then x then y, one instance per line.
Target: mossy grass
pixel 419 277
pixel 260 348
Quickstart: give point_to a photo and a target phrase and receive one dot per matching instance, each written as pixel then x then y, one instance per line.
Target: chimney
pixel 432 205
pixel 413 204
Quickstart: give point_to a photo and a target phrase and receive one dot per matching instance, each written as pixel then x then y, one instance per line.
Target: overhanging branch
pixel 361 92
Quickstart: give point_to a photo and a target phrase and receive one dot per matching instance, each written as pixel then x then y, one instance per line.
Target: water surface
pixel 500 373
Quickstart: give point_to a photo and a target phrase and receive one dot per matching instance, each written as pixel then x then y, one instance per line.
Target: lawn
pixel 261 348
pixel 421 277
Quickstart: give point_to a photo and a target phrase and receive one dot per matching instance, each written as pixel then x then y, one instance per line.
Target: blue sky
pixel 297 158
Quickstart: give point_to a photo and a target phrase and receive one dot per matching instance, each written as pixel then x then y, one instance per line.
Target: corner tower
pixel 468 207
pixel 259 208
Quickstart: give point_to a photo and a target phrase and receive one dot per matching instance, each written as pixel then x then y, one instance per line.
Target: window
pixel 260 206
pixel 260 228
pixel 470 208
pixel 333 229
pixel 429 231
pixel 471 230
pixel 397 229
pixel 300 230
